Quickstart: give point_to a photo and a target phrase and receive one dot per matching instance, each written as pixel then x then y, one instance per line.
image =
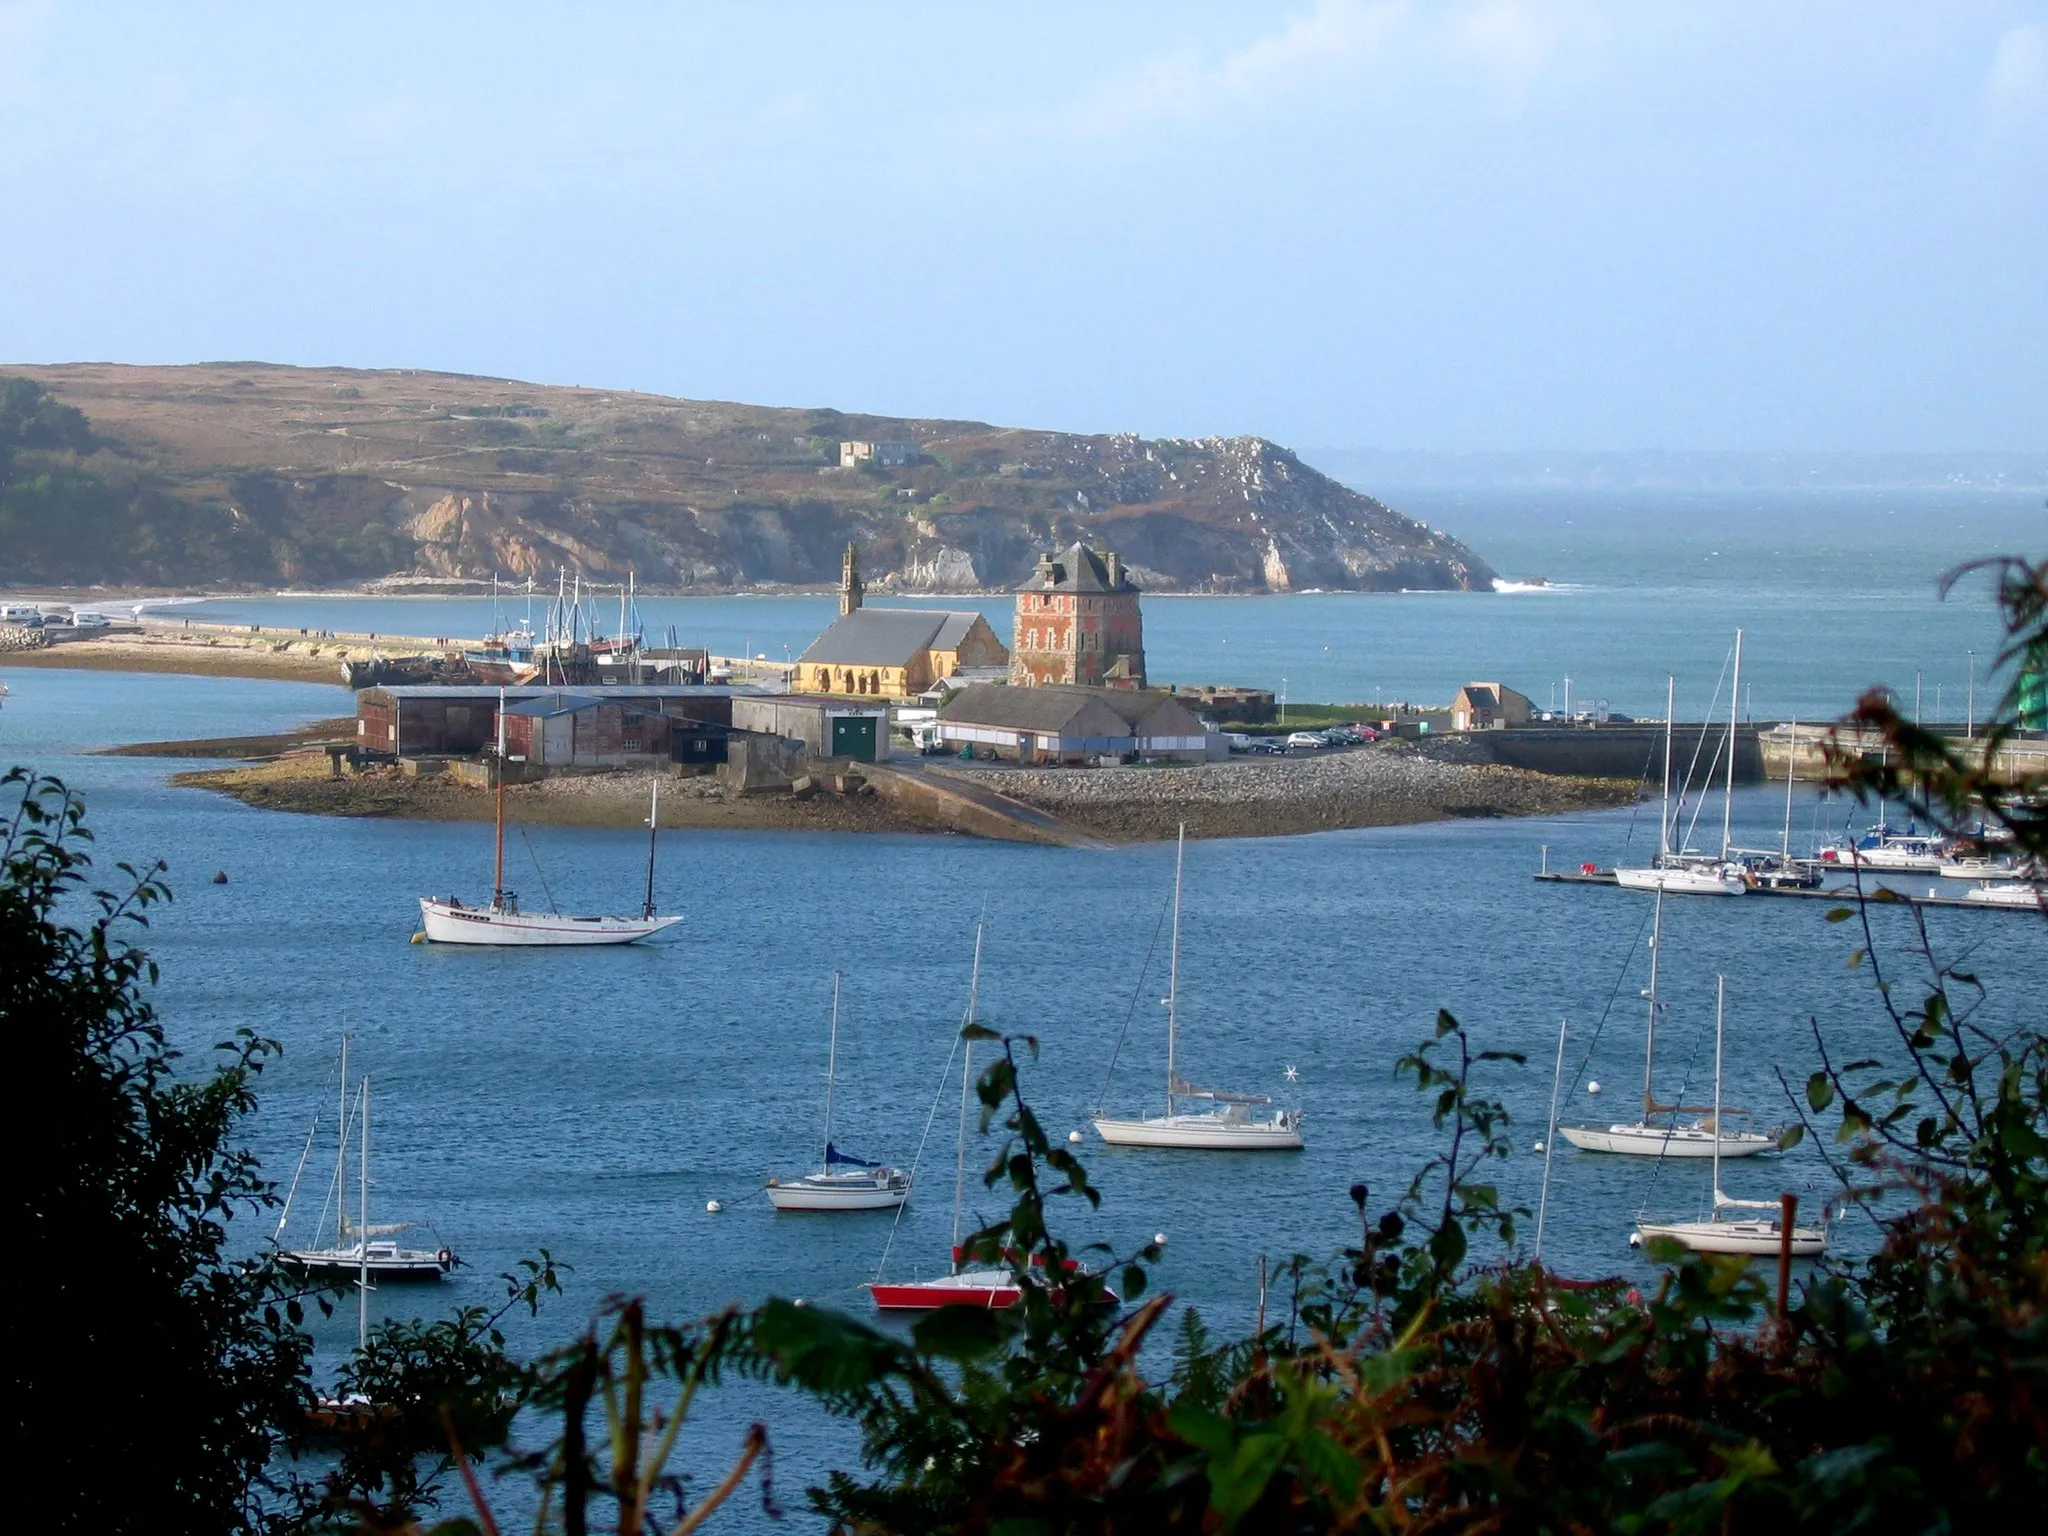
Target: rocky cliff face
pixel 326 473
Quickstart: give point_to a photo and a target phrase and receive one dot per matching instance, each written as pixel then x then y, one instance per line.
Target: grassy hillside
pixel 247 473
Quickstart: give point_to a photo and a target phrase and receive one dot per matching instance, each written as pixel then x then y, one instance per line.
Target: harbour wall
pixel 1622 751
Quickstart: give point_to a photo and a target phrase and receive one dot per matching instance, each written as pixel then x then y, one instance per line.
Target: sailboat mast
pixel 1734 717
pixel 1720 1001
pixel 1664 815
pixel 1173 970
pixel 653 824
pixel 363 1239
pixel 498 864
pixel 966 1087
pixel 831 1071
pixel 1550 1139
pixel 1650 1034
pixel 1785 842
pixel 341 1158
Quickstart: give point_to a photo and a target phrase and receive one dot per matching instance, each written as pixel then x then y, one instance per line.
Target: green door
pixel 854 736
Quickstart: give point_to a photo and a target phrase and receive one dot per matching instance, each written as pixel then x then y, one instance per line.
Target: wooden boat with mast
pixel 445 920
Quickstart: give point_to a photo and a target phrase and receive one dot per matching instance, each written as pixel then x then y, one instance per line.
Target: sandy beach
pixel 213 655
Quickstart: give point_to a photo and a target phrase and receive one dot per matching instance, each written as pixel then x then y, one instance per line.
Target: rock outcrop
pixel 329 475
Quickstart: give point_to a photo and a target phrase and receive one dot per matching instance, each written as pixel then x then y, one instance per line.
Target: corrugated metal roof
pixel 548 708
pixel 536 690
pixel 880 637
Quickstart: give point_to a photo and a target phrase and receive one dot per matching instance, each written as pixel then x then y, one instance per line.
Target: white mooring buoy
pixel 714 1206
pixel 1592 1087
pixel 1074 1137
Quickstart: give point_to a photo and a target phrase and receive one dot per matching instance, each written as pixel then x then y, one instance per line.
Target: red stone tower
pixel 1078 622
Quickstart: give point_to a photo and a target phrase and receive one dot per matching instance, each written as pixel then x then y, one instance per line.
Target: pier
pixel 1836 893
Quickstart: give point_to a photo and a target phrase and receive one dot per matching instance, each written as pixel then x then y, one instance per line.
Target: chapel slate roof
pixel 881 637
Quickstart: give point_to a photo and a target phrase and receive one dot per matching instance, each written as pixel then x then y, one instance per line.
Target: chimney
pixel 1116 570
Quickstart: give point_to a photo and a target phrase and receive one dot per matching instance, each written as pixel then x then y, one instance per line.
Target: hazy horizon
pixel 1385 226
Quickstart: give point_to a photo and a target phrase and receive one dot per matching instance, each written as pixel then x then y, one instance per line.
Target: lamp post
pixel 1970 718
pixel 1283 701
pixel 1916 698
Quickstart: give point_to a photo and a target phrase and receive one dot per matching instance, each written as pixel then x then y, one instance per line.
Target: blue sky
pixel 1466 225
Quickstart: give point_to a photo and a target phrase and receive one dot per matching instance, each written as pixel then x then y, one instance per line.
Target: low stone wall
pixel 19 637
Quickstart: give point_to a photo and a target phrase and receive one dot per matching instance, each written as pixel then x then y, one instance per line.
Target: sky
pixel 1466 225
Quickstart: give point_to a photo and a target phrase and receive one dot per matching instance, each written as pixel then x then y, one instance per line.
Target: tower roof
pixel 1077 568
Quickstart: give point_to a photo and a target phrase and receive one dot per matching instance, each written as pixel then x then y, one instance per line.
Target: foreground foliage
pixel 156 1382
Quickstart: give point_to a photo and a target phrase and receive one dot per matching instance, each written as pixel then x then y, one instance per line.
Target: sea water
pixel 592 1102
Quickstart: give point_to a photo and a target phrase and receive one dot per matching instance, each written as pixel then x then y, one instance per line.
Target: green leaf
pixel 1447 1245
pixel 1840 914
pixel 1445 1024
pixel 1790 1137
pixel 978 1032
pixel 1820 1092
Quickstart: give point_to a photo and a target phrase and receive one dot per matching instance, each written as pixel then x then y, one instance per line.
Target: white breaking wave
pixel 1502 584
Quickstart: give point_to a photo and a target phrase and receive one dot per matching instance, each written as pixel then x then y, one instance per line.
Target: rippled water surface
pixel 592 1102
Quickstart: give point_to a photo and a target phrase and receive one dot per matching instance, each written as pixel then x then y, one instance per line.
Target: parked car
pixel 1341 736
pixel 1309 739
pixel 90 620
pixel 1238 742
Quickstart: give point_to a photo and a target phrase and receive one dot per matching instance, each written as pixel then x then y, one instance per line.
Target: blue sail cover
pixel 834 1158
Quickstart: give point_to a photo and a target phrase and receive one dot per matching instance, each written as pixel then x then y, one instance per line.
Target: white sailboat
pixel 1736 1234
pixel 361 1250
pixel 843 1183
pixel 448 921
pixel 1230 1125
pixel 2009 893
pixel 1706 1137
pixel 987 1288
pixel 1685 874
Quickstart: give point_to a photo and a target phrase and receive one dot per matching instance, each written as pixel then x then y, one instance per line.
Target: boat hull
pixel 1744 1237
pixel 814 1194
pixel 1680 882
pixel 407 1266
pixel 1664 1140
pixel 2011 893
pixel 1210 1133
pixel 447 923
pixel 991 1290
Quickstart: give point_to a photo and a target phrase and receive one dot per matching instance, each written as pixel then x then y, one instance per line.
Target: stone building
pixel 1488 707
pixel 1078 622
pixel 892 653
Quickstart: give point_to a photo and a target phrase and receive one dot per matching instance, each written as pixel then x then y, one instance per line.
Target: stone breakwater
pixel 1381 786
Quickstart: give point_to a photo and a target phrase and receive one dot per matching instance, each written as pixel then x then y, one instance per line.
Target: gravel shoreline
pixel 1382 786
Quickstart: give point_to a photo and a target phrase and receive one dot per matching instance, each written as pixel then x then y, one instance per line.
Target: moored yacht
pixel 1228 1126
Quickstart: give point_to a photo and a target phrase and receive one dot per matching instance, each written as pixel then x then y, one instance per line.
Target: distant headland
pixel 250 475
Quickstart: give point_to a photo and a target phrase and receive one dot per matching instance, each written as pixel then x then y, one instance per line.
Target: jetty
pixel 1838 894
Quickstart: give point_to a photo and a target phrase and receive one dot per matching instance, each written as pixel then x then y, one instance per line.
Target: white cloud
pixel 2016 88
pixel 1310 50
